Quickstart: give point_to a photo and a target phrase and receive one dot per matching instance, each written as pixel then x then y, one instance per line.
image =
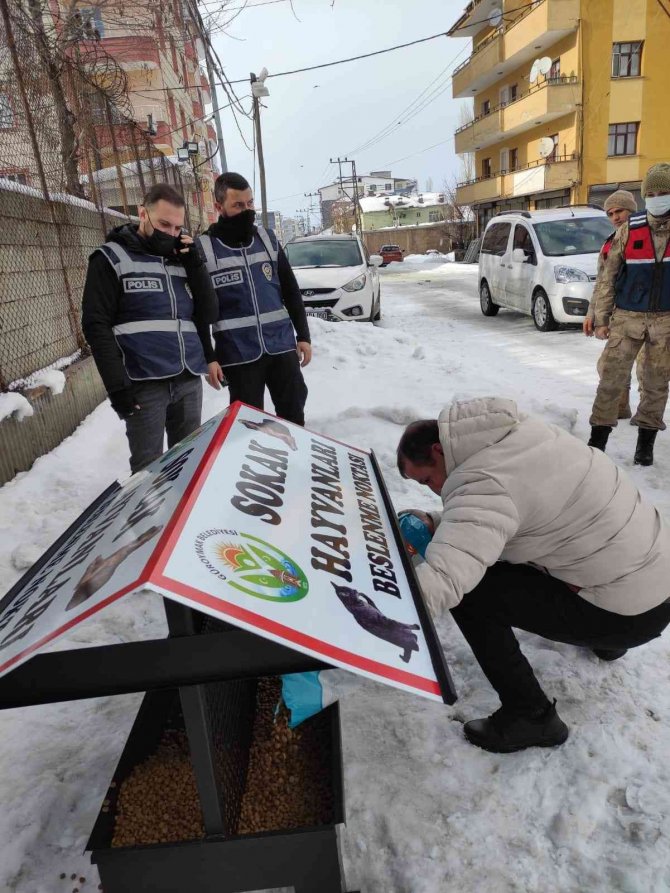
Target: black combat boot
pixel 609 653
pixel 644 451
pixel 599 435
pixel 508 731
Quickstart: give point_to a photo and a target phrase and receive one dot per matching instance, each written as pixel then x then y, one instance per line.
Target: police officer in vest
pixel 632 298
pixel 147 306
pixel 261 311
pixel 618 206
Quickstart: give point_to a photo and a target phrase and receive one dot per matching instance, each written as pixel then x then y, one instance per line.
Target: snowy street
pixel 426 811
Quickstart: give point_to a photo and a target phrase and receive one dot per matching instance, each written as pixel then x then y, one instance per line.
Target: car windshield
pixel 323 253
pixel 577 235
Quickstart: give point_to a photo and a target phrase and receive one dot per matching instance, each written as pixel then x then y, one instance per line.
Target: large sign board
pixel 281 531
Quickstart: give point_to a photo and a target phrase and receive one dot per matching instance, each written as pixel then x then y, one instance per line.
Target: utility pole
pixel 354 199
pixel 259 89
pixel 306 223
pixel 310 196
pixel 206 39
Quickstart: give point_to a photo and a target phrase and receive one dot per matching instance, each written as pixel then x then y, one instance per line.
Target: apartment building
pixel 161 51
pixel 374 183
pixel 568 100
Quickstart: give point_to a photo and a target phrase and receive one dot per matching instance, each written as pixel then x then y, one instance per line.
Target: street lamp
pixel 258 90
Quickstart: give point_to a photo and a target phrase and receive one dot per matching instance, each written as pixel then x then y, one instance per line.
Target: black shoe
pixel 507 732
pixel 599 435
pixel 644 451
pixel 609 653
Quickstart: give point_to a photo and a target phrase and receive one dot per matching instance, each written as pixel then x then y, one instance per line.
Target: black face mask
pixel 240 227
pixel 161 243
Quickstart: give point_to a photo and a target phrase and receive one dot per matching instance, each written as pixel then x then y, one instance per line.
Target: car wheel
pixel 486 301
pixel 541 313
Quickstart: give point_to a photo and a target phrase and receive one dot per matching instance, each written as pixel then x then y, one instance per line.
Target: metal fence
pixel 73 163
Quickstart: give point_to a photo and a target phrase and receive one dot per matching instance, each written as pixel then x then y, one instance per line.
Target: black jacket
pixel 100 306
pixel 290 290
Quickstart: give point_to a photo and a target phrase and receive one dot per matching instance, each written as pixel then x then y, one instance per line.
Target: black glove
pixel 124 402
pixel 194 257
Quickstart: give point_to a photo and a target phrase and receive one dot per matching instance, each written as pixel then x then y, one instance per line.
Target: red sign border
pixel 161 555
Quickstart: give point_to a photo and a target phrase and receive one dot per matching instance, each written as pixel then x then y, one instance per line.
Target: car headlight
pixel 569 274
pixel 356 284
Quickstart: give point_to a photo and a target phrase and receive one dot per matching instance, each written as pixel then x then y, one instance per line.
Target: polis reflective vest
pixel 154 327
pixel 643 283
pixel 252 317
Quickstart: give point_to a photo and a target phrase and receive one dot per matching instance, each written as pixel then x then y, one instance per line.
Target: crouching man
pixel 537 532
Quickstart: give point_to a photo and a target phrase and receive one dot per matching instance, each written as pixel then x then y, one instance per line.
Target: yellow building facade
pixel 592 120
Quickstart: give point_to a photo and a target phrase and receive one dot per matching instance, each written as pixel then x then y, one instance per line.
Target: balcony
pixel 538 176
pixel 483 189
pixel 514 43
pixel 542 103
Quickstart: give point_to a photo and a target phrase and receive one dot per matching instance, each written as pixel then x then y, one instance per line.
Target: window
pixel 6 112
pixel 495 239
pixel 486 168
pixel 523 240
pixel 91 22
pixel 554 152
pixel 372 188
pixel 626 59
pixel 388 187
pixel 513 159
pixel 578 235
pixel 486 106
pixel 513 92
pixel 555 70
pixel 324 253
pixel 434 216
pixel 623 139
pixel 15 178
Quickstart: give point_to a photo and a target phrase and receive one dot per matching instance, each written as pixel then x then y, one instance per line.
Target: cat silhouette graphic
pixel 366 613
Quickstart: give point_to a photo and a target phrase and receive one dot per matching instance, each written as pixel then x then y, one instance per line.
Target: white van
pixel 542 263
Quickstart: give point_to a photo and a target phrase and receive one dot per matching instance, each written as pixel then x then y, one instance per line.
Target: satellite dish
pixel 539 66
pixel 495 17
pixel 546 146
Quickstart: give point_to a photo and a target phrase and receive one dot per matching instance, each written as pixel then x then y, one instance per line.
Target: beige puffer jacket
pixel 523 491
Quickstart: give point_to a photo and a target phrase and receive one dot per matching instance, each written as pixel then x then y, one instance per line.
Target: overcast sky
pixel 318 115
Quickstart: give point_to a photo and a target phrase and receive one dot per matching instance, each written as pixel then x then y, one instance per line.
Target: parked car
pixel 542 263
pixel 390 253
pixel 338 279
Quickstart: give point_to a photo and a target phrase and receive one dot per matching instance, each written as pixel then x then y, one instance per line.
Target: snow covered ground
pixel 426 812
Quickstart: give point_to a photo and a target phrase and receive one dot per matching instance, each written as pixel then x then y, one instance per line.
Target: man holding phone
pixel 147 306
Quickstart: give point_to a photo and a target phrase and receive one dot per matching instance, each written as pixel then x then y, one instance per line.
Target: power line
pixel 419 152
pixel 399 46
pixel 413 109
pixel 240 8
pixel 663 8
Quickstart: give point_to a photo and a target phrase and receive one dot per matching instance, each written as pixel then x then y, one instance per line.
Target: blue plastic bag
pixel 416 534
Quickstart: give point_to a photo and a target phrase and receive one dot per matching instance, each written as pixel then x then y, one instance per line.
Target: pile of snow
pixel 435 257
pixel 14 405
pixel 43 376
pixel 426 811
pixel 53 379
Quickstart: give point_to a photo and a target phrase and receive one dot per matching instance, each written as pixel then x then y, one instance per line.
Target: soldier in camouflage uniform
pixel 632 310
pixel 618 207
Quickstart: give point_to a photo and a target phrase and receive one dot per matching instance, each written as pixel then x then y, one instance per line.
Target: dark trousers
pixel 282 375
pixel 169 404
pixel 517 595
